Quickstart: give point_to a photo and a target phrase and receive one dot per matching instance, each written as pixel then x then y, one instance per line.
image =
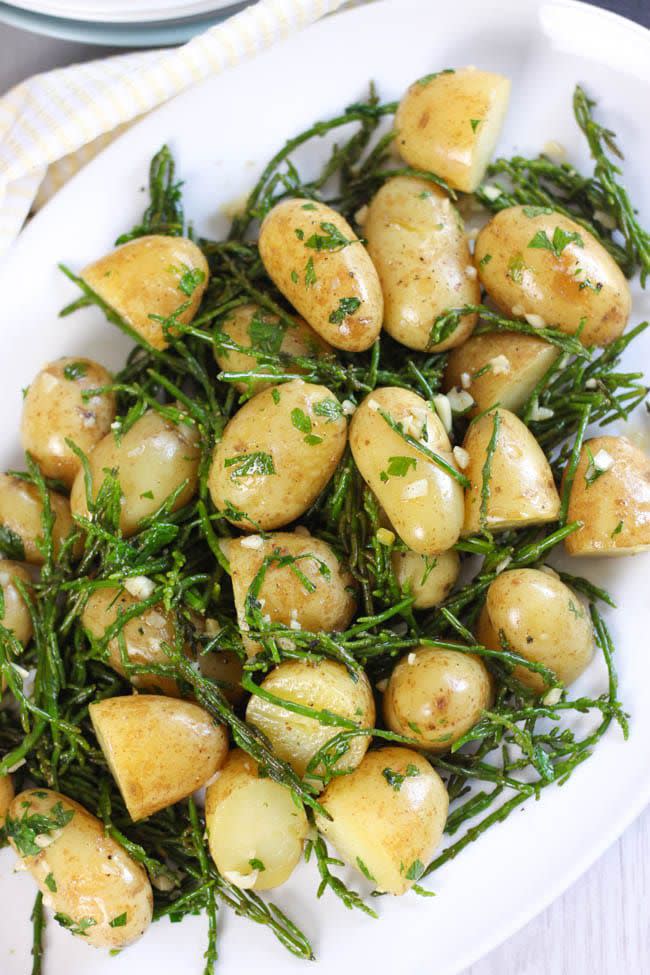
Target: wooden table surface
pixel 601 926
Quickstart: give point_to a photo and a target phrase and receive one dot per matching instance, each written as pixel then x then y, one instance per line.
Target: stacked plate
pixel 128 23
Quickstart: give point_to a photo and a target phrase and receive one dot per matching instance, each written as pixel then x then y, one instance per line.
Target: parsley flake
pixel 246 465
pixel 561 239
pixel 75 370
pixel 347 306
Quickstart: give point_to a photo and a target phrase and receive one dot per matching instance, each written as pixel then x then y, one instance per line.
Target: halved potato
pixel 21 515
pixel 6 795
pixel 16 616
pixel 430 578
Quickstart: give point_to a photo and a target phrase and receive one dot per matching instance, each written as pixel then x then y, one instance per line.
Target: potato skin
pixel 614 508
pixel 345 272
pixel 524 360
pixel 542 620
pixel 249 817
pixel 16 615
pixel 523 280
pixel 6 795
pixel 522 489
pixel 160 750
pixel 96 880
pixel 225 667
pixel 448 123
pixel 240 326
pixel 146 277
pixel 417 242
pixel 429 584
pixel 266 425
pixel 54 410
pixel 153 458
pixel 425 505
pixel 437 697
pixel 389 815
pixel 21 512
pixel 322 685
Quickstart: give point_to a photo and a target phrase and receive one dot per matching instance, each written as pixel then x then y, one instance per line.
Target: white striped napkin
pixel 52 124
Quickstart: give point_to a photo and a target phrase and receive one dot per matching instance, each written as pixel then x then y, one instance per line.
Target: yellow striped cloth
pixel 52 124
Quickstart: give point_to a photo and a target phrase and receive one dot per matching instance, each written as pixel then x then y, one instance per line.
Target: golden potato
pixel 388 817
pixel 154 275
pixel 158 749
pixel 277 454
pixel 610 495
pixel 535 262
pixel 15 616
pixel 21 515
pixel 153 459
pixel 435 696
pixel 429 578
pixel 325 685
pixel 251 326
pixel 449 122
pixel 417 242
pixel 224 667
pixel 316 260
pixel 97 890
pixel 423 502
pixel 6 796
pixel 542 620
pixel 499 367
pixel 256 831
pixel 55 410
pixel 326 604
pixel 144 636
pixel 521 489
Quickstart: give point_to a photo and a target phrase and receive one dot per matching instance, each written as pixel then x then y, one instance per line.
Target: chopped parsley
pixel 415 871
pixel 190 279
pixel 310 274
pixel 593 472
pixel 300 234
pixel 301 422
pixel 256 864
pixel 532 212
pixel 397 779
pixel 79 927
pixel 24 831
pixel 245 465
pixel 364 870
pixel 330 240
pixel 275 396
pixel 329 408
pixel 398 467
pixel 75 370
pixel 265 335
pixel 560 240
pixel 119 921
pixel 309 206
pixel 618 529
pixel 485 260
pixel 294 277
pixel 11 544
pixel 425 79
pixel 475 122
pixel 516 268
pixel 50 883
pixel 347 306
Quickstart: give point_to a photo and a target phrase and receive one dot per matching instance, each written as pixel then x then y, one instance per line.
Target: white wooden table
pixel 601 926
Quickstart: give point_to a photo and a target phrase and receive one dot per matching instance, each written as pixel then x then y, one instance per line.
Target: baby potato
pixel 154 275
pixel 520 486
pixel 277 454
pixel 542 620
pixel 316 260
pixel 499 367
pixel 388 817
pixel 158 749
pixel 449 122
pixel 325 605
pixel 429 578
pixel 256 831
pixel 533 261
pixel 325 685
pixel 6 795
pixel 252 327
pixel 423 502
pixel 15 616
pixel 435 696
pixel 417 242
pixel 54 411
pixel 21 517
pixel 610 495
pixel 97 890
pixel 144 636
pixel 153 459
pixel 224 667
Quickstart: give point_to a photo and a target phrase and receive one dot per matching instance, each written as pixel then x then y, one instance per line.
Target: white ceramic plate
pixel 222 132
pixel 121 11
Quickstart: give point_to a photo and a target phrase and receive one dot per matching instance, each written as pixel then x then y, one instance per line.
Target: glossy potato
pixel 224 667
pixel 429 578
pixel 326 604
pixel 96 889
pixel 21 514
pixel 158 749
pixel 542 620
pixel 251 327
pixel 435 696
pixel 423 502
pixel 256 832
pixel 153 460
pixel 324 685
pixel 6 796
pixel 54 410
pixel 521 489
pixel 316 260
pixel 449 122
pixel 610 495
pixel 144 636
pixel 277 454
pixel 15 615
pixel 153 275
pixel 499 367
pixel 533 261
pixel 388 817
